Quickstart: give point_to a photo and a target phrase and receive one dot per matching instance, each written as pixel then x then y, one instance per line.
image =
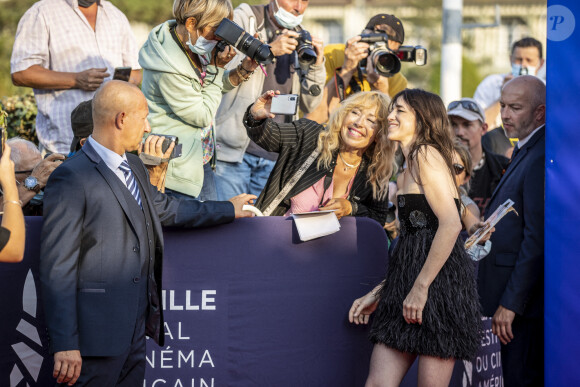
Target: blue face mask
pixel 518 70
pixel 202 46
pixel 287 19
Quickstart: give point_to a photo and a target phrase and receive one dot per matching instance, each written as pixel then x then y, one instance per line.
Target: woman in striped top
pixel 353 164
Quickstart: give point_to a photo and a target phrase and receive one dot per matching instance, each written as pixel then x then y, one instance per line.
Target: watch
pixel 31 184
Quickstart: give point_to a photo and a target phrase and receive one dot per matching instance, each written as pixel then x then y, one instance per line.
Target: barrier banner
pixel 562 219
pixel 246 303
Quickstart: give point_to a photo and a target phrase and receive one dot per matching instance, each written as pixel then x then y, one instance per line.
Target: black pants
pixel 522 359
pixel 126 369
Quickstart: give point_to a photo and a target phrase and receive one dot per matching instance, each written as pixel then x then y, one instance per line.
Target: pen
pixel 263 69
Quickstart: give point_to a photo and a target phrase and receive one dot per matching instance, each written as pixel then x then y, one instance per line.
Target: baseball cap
pixel 466 108
pixel 392 21
pixel 81 120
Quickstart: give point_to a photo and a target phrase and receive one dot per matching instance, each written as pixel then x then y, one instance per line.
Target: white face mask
pixel 202 46
pixel 518 70
pixel 287 19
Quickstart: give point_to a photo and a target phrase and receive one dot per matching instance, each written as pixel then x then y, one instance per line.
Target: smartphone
pixel 284 104
pixel 122 73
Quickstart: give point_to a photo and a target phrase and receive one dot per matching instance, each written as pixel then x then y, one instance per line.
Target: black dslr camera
pixel 234 35
pixel 387 62
pixel 304 49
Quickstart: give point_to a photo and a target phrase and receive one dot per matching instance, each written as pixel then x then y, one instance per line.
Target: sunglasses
pixel 459 169
pixel 469 105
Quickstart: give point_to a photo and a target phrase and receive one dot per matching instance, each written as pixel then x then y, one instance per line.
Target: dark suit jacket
pixel 90 257
pixel 512 275
pixel 294 143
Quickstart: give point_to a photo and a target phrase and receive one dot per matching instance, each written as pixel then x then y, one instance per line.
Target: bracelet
pixel 247 71
pixel 243 78
pixel 19 202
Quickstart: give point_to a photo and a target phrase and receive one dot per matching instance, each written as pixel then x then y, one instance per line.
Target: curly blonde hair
pixel 381 152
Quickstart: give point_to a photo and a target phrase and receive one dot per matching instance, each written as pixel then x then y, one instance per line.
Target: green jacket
pixel 178 103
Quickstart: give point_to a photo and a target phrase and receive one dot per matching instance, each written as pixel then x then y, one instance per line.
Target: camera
pixel 387 62
pixel 234 35
pixel 167 139
pixel 304 49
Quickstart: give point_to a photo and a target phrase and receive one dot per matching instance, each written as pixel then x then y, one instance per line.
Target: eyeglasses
pixel 469 105
pixel 459 169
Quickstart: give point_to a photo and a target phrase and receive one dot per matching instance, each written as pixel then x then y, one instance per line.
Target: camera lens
pixel 388 63
pixel 305 50
pixel 234 35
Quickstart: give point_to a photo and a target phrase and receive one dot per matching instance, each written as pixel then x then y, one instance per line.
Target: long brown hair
pixel 432 128
pixel 381 153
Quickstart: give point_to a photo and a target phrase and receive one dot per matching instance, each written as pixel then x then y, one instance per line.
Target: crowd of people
pixel 366 145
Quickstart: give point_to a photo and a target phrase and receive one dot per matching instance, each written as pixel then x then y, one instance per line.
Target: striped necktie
pixel 131 182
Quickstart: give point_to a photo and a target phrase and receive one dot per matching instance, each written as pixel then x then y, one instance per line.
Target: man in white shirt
pixel 65 49
pixel 526 59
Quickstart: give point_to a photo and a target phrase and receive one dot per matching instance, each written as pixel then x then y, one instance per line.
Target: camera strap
pixel 291 183
pixel 339 84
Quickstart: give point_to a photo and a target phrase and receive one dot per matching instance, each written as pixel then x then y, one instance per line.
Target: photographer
pixel 343 74
pixel 12 231
pixel 184 77
pixel 243 166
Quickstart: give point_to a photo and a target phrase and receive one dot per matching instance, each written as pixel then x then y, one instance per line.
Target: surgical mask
pixel 518 70
pixel 287 19
pixel 86 3
pixel 202 46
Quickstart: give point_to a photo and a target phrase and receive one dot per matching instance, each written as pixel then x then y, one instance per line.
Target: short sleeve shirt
pixel 56 35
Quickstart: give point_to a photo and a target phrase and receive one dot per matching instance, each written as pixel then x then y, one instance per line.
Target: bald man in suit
pixel 102 247
pixel 511 277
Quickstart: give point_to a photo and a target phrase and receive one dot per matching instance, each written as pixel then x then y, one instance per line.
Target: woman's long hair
pixel 461 149
pixel 381 152
pixel 432 128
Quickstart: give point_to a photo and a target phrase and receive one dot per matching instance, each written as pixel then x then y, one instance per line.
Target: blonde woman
pixel 183 81
pixel 352 167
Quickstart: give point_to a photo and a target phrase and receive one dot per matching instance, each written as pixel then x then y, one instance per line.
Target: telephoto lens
pixel 305 50
pixel 234 35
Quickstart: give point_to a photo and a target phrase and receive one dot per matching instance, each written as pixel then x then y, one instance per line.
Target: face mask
pixel 287 19
pixel 86 3
pixel 518 70
pixel 202 46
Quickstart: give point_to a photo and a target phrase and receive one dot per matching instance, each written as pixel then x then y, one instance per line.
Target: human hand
pixel 90 79
pixel 6 168
pixel 43 169
pixel 318 45
pixel 225 56
pixel 241 200
pixel 285 43
pixel 342 207
pixel 376 80
pixel 362 308
pixel 67 366
pixel 476 227
pixel 354 52
pixel 501 324
pixel 153 146
pixel 414 304
pixel 260 110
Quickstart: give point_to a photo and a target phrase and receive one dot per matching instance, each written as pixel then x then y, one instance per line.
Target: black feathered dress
pixel 451 317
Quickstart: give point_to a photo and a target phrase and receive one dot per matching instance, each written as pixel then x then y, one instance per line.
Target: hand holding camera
pixel 285 43
pixel 354 52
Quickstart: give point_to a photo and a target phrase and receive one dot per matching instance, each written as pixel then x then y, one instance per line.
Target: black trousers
pixel 126 369
pixel 522 359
